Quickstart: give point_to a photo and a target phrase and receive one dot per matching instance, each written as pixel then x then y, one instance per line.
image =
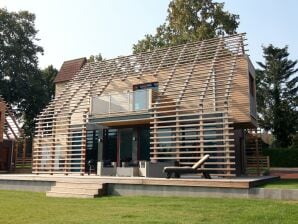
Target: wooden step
pixel 75 189
pixel 70 184
pixel 68 195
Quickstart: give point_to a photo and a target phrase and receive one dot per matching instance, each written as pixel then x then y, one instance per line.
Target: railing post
pixel 91 105
pixel 149 98
pixel 110 98
pixel 129 108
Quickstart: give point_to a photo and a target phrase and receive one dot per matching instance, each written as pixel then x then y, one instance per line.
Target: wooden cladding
pixel 2 119
pixel 192 113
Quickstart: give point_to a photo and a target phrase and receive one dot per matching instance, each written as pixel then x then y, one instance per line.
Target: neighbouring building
pixel 169 105
pixel 10 133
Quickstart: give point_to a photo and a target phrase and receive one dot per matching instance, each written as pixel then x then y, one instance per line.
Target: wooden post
pixel 24 153
pixel 226 143
pixel 155 135
pixel 83 144
pixel 201 127
pixel 177 134
pixel 15 152
pixel 257 154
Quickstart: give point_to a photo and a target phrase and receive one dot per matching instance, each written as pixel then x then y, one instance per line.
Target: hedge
pixel 282 157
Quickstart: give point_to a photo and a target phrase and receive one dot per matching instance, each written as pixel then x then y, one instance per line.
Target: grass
pixel 283 184
pixel 33 208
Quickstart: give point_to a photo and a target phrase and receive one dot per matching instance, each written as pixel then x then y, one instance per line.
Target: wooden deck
pixel 235 183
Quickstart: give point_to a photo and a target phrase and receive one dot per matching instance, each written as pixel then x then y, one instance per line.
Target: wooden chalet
pixel 169 105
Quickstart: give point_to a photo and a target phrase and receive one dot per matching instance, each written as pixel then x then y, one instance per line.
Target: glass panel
pixel 252 96
pixel 140 100
pixel 110 146
pixel 152 85
pixel 126 144
pixel 144 143
pixel 92 148
pixel 125 102
pixel 165 142
pixel 76 149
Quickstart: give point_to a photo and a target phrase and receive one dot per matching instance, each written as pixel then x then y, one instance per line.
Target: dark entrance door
pixel 91 151
pixel 109 147
pixel 144 143
pixel 125 145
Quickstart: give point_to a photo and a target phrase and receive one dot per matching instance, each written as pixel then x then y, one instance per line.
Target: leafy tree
pixel 277 94
pixel 94 58
pixel 41 90
pixel 190 20
pixel 18 53
pixel 22 84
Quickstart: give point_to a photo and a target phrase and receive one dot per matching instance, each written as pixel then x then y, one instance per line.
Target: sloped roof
pixel 69 69
pixel 11 129
pixel 93 76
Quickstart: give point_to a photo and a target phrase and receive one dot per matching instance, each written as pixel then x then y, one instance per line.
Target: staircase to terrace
pixel 77 189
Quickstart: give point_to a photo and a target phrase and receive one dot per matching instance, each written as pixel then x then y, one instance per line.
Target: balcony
pixel 125 103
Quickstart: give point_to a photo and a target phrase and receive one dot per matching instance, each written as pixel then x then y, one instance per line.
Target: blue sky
pixel 71 29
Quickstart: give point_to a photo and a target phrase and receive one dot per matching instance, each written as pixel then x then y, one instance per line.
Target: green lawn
pixel 283 184
pixel 26 207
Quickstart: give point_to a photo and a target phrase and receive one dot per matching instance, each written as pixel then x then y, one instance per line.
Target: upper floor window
pixel 150 85
pixel 251 85
pixel 252 93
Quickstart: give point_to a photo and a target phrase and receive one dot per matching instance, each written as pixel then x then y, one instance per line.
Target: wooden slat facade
pixel 203 93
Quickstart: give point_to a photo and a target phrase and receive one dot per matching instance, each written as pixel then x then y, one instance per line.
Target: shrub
pixel 282 157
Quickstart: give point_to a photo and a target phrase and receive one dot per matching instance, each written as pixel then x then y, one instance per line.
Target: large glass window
pixel 252 95
pixel 140 99
pixel 144 135
pixel 110 146
pixel 126 144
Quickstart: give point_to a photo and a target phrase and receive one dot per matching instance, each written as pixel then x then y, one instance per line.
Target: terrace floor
pixel 188 186
pixel 191 181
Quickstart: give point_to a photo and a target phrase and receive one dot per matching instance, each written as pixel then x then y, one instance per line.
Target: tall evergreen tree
pixel 277 94
pixel 190 20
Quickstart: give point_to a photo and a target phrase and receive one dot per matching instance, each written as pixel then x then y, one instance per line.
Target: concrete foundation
pixel 216 188
pixel 189 191
pixel 26 185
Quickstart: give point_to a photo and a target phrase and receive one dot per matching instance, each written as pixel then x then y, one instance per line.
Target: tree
pixel 18 53
pixel 94 58
pixel 190 20
pixel 41 90
pixel 22 84
pixel 277 94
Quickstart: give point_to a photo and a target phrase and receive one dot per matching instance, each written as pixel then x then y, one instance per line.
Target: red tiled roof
pixel 69 69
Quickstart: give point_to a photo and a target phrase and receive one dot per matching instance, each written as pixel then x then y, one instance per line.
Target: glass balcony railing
pixel 140 100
